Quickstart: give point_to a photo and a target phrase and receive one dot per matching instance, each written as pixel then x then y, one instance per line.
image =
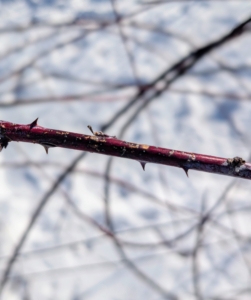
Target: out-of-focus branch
pixel 163 81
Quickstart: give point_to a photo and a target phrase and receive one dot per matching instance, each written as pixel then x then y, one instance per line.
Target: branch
pixel 164 80
pixel 102 143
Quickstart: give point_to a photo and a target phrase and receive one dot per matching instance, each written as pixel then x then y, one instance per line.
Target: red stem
pixel 103 144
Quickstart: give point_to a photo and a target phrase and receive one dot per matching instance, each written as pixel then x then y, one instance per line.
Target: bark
pixel 102 143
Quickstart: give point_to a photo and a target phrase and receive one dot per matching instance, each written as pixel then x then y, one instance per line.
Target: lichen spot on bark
pixel 171 153
pixel 144 147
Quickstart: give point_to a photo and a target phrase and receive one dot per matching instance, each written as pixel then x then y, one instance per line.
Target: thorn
pixel 33 124
pixel 47 145
pixel 46 149
pixel 143 164
pixel 186 170
pixel 4 144
pixel 89 126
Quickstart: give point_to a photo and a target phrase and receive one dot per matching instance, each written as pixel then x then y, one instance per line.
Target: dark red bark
pixel 104 144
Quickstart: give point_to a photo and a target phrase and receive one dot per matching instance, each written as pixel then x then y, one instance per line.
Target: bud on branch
pixel 102 143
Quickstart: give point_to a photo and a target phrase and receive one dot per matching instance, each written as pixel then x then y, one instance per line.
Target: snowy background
pixel 75 63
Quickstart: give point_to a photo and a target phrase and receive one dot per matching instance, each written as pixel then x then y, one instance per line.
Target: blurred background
pixel 85 226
